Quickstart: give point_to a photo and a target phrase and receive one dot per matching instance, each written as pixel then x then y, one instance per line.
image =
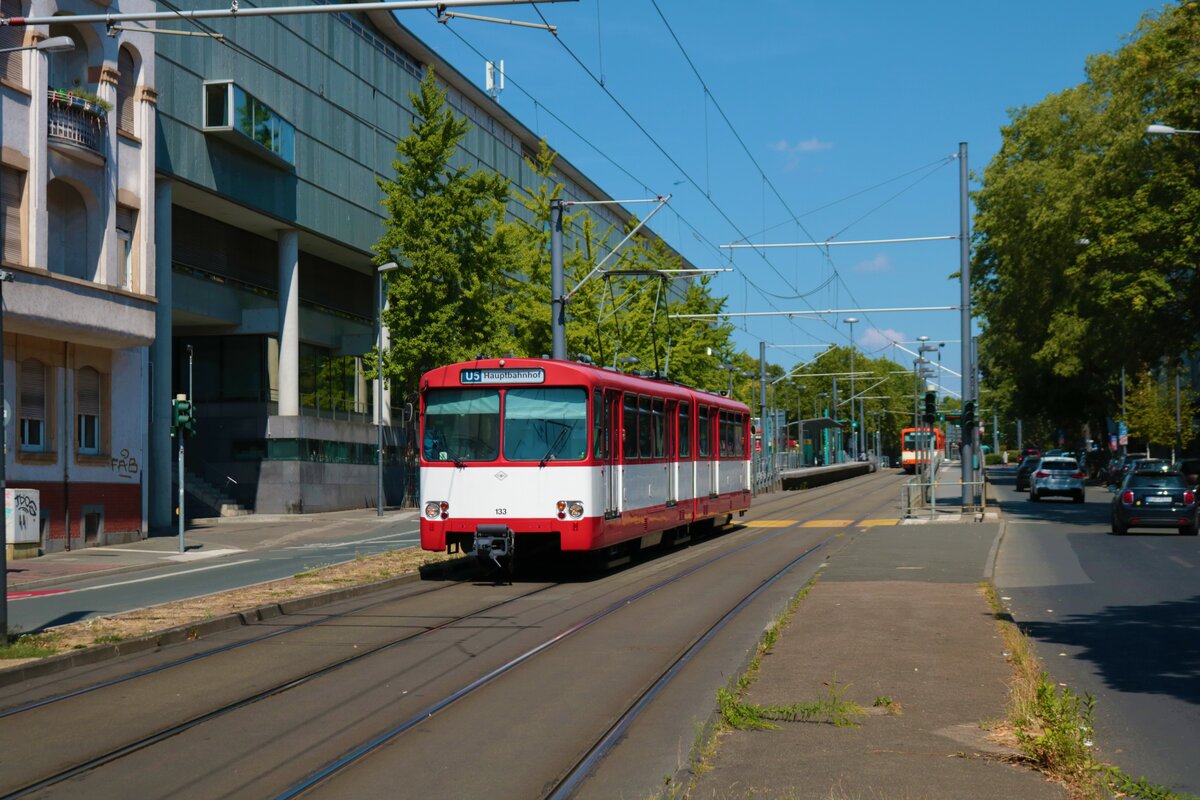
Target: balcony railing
pixel 77 121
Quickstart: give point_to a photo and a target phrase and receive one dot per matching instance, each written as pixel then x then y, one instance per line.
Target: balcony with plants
pixel 78 119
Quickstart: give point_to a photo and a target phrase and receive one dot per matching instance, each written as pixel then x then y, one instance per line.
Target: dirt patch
pixel 131 625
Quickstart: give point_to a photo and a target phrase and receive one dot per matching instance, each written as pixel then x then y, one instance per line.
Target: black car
pixel 1118 467
pixel 1155 500
pixel 1027 468
pixel 1190 467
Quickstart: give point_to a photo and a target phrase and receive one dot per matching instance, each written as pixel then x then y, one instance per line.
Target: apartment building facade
pixel 76 234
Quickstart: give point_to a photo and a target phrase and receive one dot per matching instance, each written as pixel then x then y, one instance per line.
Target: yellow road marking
pixel 827 523
pixel 875 523
pixel 769 523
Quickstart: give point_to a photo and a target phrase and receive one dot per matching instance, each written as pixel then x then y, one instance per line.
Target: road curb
pixel 198 630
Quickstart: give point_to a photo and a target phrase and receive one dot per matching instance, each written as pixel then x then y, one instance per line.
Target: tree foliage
pixel 475 278
pixel 1087 231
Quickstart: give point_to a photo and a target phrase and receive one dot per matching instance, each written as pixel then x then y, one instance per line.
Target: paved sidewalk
pixel 207 538
pixel 897 613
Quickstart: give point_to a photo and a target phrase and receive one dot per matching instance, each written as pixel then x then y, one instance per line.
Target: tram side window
pixel 645 428
pixel 739 436
pixel 660 429
pixel 599 426
pixel 685 430
pixel 726 434
pixel 703 432
pixel 630 433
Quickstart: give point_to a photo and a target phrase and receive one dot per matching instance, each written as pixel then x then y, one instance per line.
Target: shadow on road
pixel 1120 641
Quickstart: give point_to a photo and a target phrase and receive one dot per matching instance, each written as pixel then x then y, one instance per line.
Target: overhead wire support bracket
pixel 444 17
pixel 834 242
pixel 662 200
pixel 114 29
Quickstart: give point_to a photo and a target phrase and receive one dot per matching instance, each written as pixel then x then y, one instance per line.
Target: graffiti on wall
pixel 22 515
pixel 125 465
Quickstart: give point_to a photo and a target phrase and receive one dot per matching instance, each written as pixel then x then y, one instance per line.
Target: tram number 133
pixel 500 512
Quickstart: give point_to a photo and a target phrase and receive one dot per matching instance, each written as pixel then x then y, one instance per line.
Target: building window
pixel 10 63
pixel 70 244
pixel 229 107
pixel 12 188
pixel 32 382
pixel 87 393
pixel 126 220
pixel 126 88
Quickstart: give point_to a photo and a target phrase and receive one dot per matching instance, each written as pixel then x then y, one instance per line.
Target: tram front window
pixel 545 425
pixel 462 425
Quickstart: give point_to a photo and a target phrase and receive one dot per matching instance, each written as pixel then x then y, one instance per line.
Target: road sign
pixel 1112 442
pixel 1122 433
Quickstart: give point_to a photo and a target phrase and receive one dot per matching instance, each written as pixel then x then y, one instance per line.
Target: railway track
pixel 74 774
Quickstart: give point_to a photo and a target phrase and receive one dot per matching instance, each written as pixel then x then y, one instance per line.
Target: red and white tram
pixel 536 454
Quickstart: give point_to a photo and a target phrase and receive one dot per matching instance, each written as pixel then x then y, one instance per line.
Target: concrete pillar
pixel 147 108
pixel 108 270
pixel 39 171
pixel 162 454
pixel 289 323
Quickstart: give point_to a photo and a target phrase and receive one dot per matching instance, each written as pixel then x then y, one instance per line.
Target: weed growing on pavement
pixel 1055 729
pixel 889 705
pixel 829 708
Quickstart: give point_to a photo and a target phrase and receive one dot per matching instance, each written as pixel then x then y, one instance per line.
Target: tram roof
pixel 510 372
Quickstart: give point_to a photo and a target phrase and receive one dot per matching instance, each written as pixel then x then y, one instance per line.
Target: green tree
pixel 1088 233
pixel 447 300
pixel 1150 411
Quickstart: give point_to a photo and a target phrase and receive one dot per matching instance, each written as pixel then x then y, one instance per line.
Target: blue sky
pixel 850 111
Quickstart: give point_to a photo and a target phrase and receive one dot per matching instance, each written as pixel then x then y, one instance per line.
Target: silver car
pixel 1057 476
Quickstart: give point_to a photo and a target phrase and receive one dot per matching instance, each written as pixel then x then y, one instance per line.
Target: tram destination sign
pixel 477 376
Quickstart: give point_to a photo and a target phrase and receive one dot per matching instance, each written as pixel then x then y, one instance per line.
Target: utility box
pixel 22 522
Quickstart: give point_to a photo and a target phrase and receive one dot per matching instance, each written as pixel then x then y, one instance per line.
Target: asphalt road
pixel 152 572
pixel 1115 616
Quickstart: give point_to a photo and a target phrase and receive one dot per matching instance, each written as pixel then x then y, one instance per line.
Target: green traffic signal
pixel 183 418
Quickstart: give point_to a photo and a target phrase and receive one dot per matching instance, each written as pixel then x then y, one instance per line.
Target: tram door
pixel 611 438
pixel 671 453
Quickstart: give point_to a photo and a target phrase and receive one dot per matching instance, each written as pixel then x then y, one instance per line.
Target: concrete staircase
pixel 214 501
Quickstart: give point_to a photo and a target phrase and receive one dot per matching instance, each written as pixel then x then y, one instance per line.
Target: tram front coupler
pixel 494 542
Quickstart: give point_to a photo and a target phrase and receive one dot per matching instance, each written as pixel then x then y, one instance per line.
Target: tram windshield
pixel 462 425
pixel 545 424
pixel 919 440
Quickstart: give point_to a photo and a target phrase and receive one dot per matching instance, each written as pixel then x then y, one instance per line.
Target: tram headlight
pixel 435 509
pixel 575 509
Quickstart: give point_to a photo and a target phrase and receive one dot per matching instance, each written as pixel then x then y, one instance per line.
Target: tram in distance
pixel 915 444
pixel 541 455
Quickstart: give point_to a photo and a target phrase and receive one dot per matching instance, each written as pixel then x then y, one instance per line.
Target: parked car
pixel 1025 470
pixel 1051 453
pixel 1119 467
pixel 1155 500
pixel 1190 468
pixel 1057 476
pixel 1152 465
pixel 1026 453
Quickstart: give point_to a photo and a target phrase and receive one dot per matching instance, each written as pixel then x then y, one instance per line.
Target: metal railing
pixel 75 120
pixel 918 498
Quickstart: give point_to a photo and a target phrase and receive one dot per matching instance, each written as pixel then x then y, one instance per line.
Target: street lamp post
pixel 853 428
pixel 388 267
pixel 5 276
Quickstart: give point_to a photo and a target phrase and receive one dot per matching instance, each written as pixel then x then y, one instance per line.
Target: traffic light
pixel 968 421
pixel 183 418
pixel 930 407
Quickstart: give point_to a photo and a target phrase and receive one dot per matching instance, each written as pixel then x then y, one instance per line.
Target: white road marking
pixel 1182 562
pixel 352 542
pixel 198 555
pixel 158 577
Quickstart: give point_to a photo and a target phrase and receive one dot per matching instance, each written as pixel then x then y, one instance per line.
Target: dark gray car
pixel 1154 500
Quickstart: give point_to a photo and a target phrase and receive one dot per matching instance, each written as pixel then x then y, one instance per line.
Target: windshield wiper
pixel 562 434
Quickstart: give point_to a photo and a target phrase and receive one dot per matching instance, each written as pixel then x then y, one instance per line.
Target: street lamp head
pixel 55 44
pixel 850 320
pixel 388 267
pixel 1160 130
pixel 922 338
